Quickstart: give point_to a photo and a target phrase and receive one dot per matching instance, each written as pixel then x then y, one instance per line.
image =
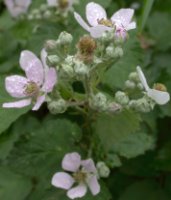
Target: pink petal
pixel 15 86
pixel 32 66
pixel 50 81
pixel 17 104
pixel 62 180
pixel 77 192
pixel 71 162
pixel 43 56
pixel 93 185
pixel 123 16
pixel 81 21
pixel 89 165
pixel 39 102
pixel 95 12
pixel 98 31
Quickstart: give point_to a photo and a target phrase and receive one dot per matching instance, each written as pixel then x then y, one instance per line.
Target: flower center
pixel 63 3
pixel 31 89
pixel 80 176
pixel 105 22
pixel 160 87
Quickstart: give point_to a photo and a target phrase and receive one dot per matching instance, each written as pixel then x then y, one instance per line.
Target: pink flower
pixel 17 7
pixel 83 172
pixel 97 18
pixel 39 80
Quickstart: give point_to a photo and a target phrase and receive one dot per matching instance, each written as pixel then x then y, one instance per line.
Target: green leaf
pixel 114 128
pixel 146 11
pixel 135 144
pixel 148 190
pixel 8 115
pixel 13 186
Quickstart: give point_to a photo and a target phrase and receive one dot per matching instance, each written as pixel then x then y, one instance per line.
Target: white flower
pixel 17 7
pixel 83 172
pixel 160 97
pixel 97 18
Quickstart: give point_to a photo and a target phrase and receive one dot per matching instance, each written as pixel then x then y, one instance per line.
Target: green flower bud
pixel 121 98
pixel 110 50
pixel 118 53
pixel 80 68
pixel 56 107
pixel 69 60
pixel 53 59
pixel 114 107
pixel 43 7
pixel 103 169
pixel 64 38
pixel 130 84
pixel 134 77
pixel 140 86
pixel 47 14
pixel 99 102
pixel 68 70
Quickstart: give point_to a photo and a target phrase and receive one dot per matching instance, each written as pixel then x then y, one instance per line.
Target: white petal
pixel 43 56
pixel 52 3
pixel 77 192
pixel 62 180
pixel 81 21
pixel 15 85
pixel 95 12
pixel 132 25
pixel 88 165
pixel 98 31
pixel 33 67
pixel 93 185
pixel 124 16
pixel 71 162
pixel 17 104
pixel 142 78
pixel 159 97
pixel 39 102
pixel 50 80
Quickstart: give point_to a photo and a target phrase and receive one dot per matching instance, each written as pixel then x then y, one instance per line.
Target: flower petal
pixel 43 56
pixel 89 165
pixel 142 78
pixel 33 67
pixel 62 180
pixel 95 12
pixel 39 102
pixel 15 86
pixel 71 162
pixel 17 104
pixel 25 3
pixel 52 3
pixel 159 97
pixel 50 81
pixel 123 16
pixel 77 192
pixel 81 21
pixel 93 185
pixel 98 31
pixel 132 25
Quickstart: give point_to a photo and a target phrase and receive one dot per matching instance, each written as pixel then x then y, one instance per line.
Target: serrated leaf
pixel 13 186
pixel 113 128
pixel 134 145
pixel 8 115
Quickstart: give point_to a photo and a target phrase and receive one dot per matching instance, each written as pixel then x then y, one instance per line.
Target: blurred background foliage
pixel 33 144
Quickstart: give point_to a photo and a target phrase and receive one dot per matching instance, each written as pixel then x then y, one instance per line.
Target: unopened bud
pixel 130 84
pixel 56 107
pixel 134 77
pixel 118 53
pixel 121 98
pixel 80 68
pixel 50 45
pixel 99 102
pixel 103 169
pixel 64 38
pixel 53 59
pixel 68 70
pixel 110 51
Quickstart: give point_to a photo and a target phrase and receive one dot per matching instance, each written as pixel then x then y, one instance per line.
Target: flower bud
pixel 110 51
pixel 133 76
pixel 43 7
pixel 80 68
pixel 68 70
pixel 114 107
pixel 130 84
pixel 69 60
pixel 50 45
pixel 56 107
pixel 47 14
pixel 53 59
pixel 64 38
pixel 140 86
pixel 118 53
pixel 99 102
pixel 121 98
pixel 103 169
